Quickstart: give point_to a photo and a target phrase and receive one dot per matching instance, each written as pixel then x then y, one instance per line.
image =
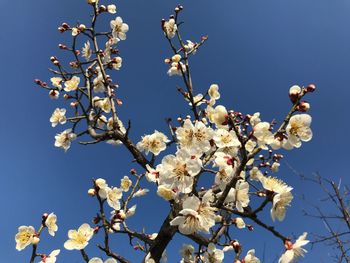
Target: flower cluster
pixel 208 168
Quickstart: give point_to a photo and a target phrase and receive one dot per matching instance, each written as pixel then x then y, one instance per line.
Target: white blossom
pixel 250 257
pixel 177 172
pixel 24 237
pixel 213 255
pixel 217 115
pixel 72 84
pixel 50 223
pixel 86 51
pixel 170 28
pixel 51 258
pixel 263 134
pixel 112 9
pixel 214 92
pixel 63 140
pixel 58 116
pixel 119 28
pixel 196 137
pixel 224 138
pixel 125 183
pixel 79 239
pixel 56 82
pixel 294 251
pixel 154 143
pixel 298 129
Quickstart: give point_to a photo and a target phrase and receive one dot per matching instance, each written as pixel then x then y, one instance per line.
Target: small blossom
pixel 113 196
pixel 170 28
pixel 217 115
pixel 214 92
pixel 86 51
pixel 176 68
pixel 50 223
pixel 24 237
pixel 112 9
pixel 224 138
pixel 190 47
pixel 56 82
pixel 50 258
pixel 154 143
pixel 141 192
pixel 72 84
pixel 294 251
pixel 63 140
pixel 298 129
pixel 255 119
pixel 58 116
pixel 213 255
pixel 250 257
pixel 187 253
pixel 119 28
pixel 79 239
pixel 239 223
pixel 166 193
pixel 263 134
pixel 280 203
pixel 125 183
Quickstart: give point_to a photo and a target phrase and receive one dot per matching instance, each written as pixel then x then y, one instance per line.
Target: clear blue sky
pixel 255 52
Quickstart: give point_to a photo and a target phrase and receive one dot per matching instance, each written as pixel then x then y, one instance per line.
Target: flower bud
pixel 91 192
pixel 38 81
pixel 44 216
pixel 65 25
pixel 91 2
pixel 61 29
pixel 102 9
pixel 73 104
pixel 53 58
pixel 96 229
pixel 176 58
pixel 54 94
pixel 81 27
pixel 294 93
pixel 35 240
pixel 303 106
pixel 62 46
pixel 310 88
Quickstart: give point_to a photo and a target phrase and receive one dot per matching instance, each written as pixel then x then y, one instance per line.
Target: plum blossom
pixel 103 103
pixel 177 172
pixel 250 257
pixel 213 255
pixel 280 203
pixel 176 68
pixel 154 143
pixel 24 237
pixel 56 82
pixel 239 195
pixel 125 183
pixel 298 129
pixel 112 9
pixel 72 84
pixel 170 28
pixel 294 251
pixel 79 239
pixel 195 216
pixel 166 193
pixel 196 137
pixel 224 138
pixel 217 115
pixel 214 92
pixel 50 223
pixel 51 258
pixel 63 140
pixel 187 253
pixel 119 28
pixel 86 51
pixel 113 196
pixel 58 116
pixel 263 134
pixel 190 47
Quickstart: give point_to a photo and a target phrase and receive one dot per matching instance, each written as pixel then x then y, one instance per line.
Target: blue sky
pixel 255 52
